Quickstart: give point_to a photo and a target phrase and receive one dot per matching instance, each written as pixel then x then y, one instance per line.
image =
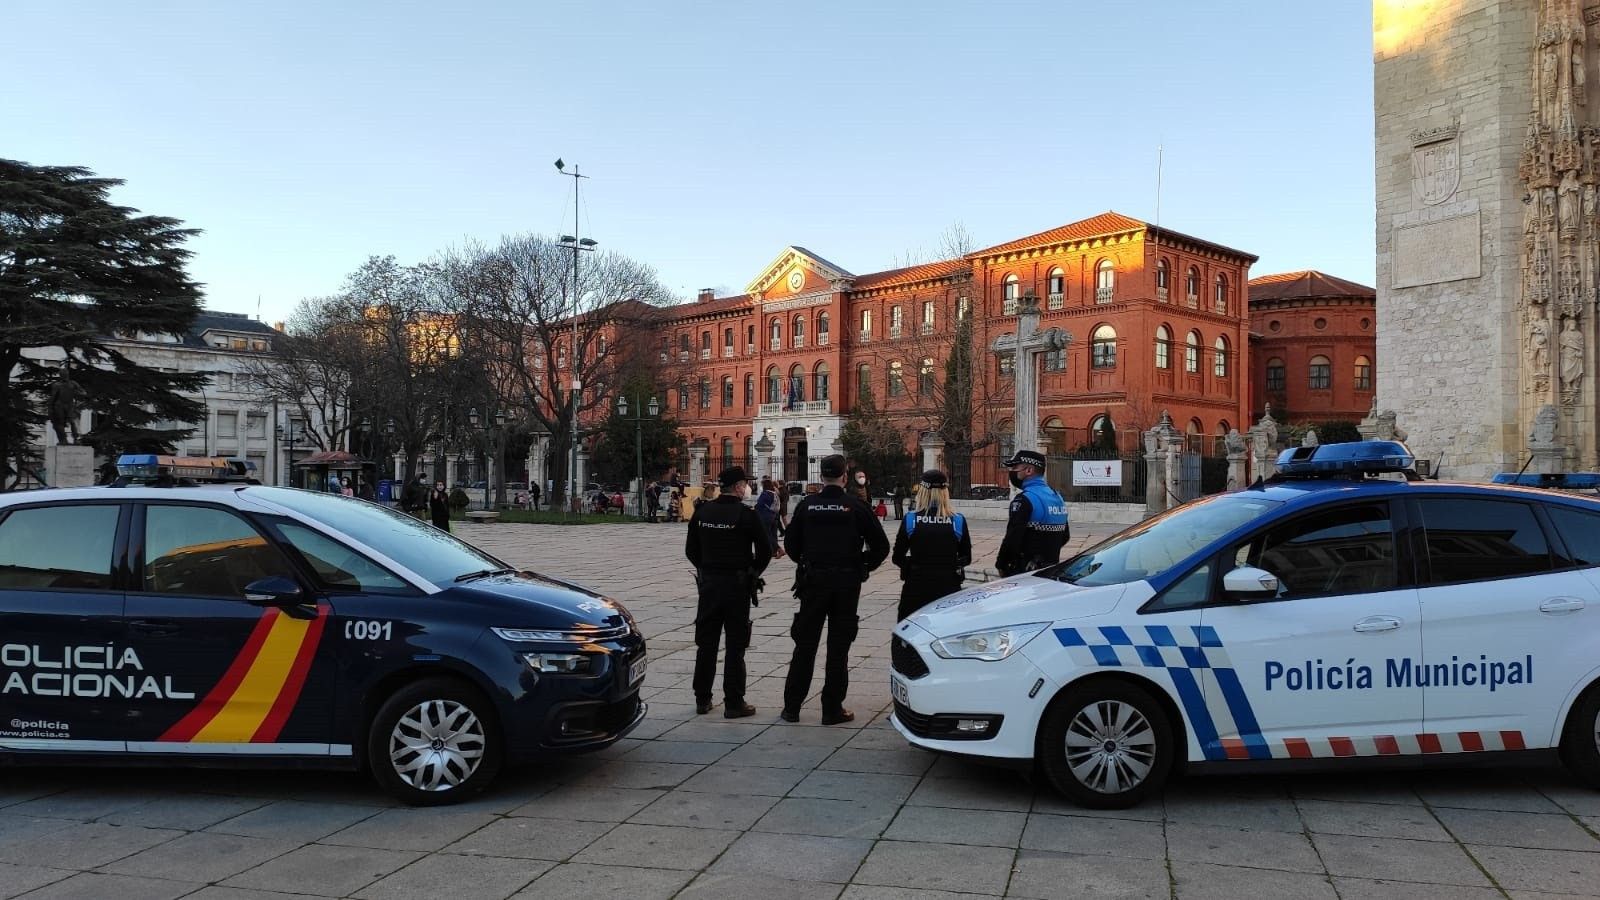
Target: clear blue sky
pixel 303 137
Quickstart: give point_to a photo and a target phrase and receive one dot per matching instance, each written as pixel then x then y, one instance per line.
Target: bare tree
pixel 312 369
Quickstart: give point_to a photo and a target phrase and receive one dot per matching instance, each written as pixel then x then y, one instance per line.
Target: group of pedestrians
pixel 836 541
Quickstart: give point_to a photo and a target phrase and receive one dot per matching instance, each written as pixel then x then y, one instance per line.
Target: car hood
pixel 1014 601
pixel 531 600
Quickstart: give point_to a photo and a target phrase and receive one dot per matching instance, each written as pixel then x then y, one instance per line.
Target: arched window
pixel 1320 375
pixel 727 342
pixel 683 395
pixel 798 336
pixel 1223 427
pixel 1163 347
pixel 1363 374
pixel 925 382
pixel 1221 299
pixel 896 321
pixel 866 325
pixel 727 390
pixel 1105 275
pixel 1103 348
pixel 1195 427
pixel 774 385
pixel 1163 279
pixel 1006 363
pixel 1055 436
pixel 822 328
pixel 1006 437
pixel 750 338
pixel 797 383
pixel 1219 366
pixel 1012 294
pixel 1277 374
pixel 561 353
pixel 705 392
pixel 897 380
pixel 928 316
pixel 705 345
pixel 819 377
pixel 727 452
pixel 1098 424
pixel 864 382
pixel 1056 285
pixel 1191 354
pixel 750 389
pixel 683 343
pixel 1191 286
pixel 775 334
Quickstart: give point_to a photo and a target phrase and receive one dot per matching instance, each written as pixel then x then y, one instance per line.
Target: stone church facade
pixel 1488 231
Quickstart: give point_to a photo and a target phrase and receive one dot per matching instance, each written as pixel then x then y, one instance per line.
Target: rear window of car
pixel 58 548
pixel 1580 531
pixel 1479 539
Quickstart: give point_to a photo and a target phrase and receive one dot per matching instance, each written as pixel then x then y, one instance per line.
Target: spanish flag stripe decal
pixel 247 708
pixel 290 693
pixel 190 725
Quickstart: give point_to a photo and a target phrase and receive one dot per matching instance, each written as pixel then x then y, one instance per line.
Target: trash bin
pixel 386 491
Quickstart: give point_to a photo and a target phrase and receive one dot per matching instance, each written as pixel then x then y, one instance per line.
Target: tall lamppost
pixel 290 434
pixel 586 244
pixel 638 442
pixel 492 428
pixel 383 438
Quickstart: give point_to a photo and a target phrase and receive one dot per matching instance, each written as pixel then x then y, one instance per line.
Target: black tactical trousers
pixel 724 607
pixel 831 601
pixel 920 590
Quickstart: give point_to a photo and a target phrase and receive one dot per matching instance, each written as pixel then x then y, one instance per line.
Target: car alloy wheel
pixel 1111 747
pixel 437 745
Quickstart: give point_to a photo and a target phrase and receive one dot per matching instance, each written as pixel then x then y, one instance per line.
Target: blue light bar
pixel 1353 458
pixel 1573 481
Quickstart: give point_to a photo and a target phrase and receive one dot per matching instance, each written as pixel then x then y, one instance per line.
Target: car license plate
pixel 899 690
pixel 636 671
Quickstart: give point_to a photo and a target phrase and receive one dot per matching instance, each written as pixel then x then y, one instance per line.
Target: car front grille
pixel 943 726
pixel 915 722
pixel 906 660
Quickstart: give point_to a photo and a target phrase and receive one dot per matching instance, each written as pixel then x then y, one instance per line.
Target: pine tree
pixel 74 267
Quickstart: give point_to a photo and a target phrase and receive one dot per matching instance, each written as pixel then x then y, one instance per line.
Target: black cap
pixel 833 466
pixel 731 476
pixel 1026 458
pixel 935 479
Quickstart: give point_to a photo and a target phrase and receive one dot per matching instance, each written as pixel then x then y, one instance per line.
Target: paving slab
pixel 1203 881
pixel 1050 876
pixel 659 846
pixel 410 829
pixel 1237 847
pixel 1543 831
pixel 944 867
pixel 323 870
pixel 1087 835
pixel 295 820
pixel 829 818
pixel 84 845
pixel 457 878
pixel 96 886
pixel 16 880
pixel 1388 859
pixel 201 856
pixel 526 838
pixel 1406 821
pixel 738 886
pixel 977 827
pixel 794 857
pixel 1554 871
pixel 592 882
pixel 589 804
pixel 703 810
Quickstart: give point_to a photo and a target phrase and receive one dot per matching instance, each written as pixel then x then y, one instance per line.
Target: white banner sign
pixel 1097 473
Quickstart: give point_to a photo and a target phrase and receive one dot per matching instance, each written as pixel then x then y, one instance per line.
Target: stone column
pixel 1310 440
pixel 932 448
pixel 1025 422
pixel 697 462
pixel 1174 446
pixel 1548 453
pixel 763 457
pixel 1238 460
pixel 1163 445
pixel 582 480
pixel 399 466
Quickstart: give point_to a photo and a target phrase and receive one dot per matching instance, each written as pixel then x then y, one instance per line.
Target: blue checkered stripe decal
pixel 1181 654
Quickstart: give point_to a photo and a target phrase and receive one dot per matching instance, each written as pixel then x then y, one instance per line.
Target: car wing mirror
pixel 1248 583
pixel 274 591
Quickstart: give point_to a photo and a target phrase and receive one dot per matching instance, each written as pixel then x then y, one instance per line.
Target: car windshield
pixel 425 550
pixel 1153 547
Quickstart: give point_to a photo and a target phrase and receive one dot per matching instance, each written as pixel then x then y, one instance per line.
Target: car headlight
pixel 558 663
pixel 552 636
pixel 990 645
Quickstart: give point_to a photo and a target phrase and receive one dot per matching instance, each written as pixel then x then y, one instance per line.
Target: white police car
pixel 1325 615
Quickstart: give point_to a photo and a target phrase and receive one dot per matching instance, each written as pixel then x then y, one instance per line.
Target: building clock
pixel 797 280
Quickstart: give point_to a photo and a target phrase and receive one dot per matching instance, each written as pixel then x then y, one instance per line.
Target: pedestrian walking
pixel 533 494
pixel 932 546
pixel 345 488
pixel 365 490
pixel 858 487
pixel 900 495
pixel 414 499
pixel 835 542
pixel 1037 526
pixel 439 506
pixel 767 511
pixel 729 550
pixel 783 507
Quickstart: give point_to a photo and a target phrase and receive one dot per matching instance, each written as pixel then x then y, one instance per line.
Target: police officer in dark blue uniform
pixel 729 550
pixel 932 546
pixel 835 542
pixel 1037 528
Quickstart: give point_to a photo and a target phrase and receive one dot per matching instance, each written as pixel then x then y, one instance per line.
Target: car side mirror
pixel 1248 583
pixel 275 590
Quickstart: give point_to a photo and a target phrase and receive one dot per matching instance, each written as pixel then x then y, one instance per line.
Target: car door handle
pixel 154 629
pixel 1557 605
pixel 1376 624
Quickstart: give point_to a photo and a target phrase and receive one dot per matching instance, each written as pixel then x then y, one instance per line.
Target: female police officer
pixel 932 546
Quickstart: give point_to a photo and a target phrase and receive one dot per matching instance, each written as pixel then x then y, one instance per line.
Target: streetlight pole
pixel 491 427
pixel 291 434
pixel 571 240
pixel 638 443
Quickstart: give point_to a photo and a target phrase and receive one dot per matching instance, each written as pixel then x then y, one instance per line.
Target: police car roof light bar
pixel 1348 460
pixel 1559 481
pixel 161 470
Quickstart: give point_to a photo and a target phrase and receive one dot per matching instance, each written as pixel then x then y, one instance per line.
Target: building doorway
pixel 794 454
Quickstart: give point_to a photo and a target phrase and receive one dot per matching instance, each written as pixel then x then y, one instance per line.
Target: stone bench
pixel 483 516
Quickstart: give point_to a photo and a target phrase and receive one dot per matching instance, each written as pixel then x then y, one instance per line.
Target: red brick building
pixel 1314 345
pixel 1157 322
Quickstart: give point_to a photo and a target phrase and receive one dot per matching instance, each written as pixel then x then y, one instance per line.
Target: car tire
pixel 433 742
pixel 1580 740
pixel 1106 744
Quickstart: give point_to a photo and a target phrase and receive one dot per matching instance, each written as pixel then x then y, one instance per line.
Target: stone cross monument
pixel 1027 345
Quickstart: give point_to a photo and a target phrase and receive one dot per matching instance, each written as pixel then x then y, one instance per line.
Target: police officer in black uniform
pixel 825 538
pixel 729 550
pixel 1037 527
pixel 932 546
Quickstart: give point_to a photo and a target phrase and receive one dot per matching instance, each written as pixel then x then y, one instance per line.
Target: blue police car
pixel 186 617
pixel 1342 611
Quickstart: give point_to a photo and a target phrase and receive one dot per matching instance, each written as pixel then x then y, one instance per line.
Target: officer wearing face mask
pixel 729 550
pixel 1037 528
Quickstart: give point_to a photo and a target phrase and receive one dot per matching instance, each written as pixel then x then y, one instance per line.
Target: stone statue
pixel 1544 427
pixel 1579 76
pixel 1571 355
pixel 1310 440
pixel 1234 441
pixel 1539 347
pixel 1268 426
pixel 1589 205
pixel 1530 215
pixel 1547 72
pixel 1547 205
pixel 1568 203
pixel 64 406
pixel 1388 430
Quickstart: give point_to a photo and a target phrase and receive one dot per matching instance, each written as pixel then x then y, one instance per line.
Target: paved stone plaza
pixel 701 807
